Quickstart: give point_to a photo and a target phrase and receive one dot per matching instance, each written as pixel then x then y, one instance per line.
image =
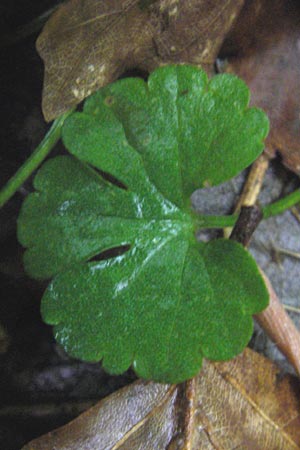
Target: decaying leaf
pixel 246 404
pixel 242 404
pixel 266 46
pixel 89 43
pixel 140 416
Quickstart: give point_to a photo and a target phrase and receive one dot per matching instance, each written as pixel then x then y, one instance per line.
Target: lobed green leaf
pixel 189 132
pixel 165 301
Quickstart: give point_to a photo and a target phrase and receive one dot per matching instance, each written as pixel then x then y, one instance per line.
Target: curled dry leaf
pixel 88 44
pixel 280 327
pixel 264 49
pixel 241 404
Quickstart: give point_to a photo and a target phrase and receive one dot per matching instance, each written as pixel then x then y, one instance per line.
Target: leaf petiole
pixel 208 221
pixel 282 205
pixel 271 210
pixel 37 157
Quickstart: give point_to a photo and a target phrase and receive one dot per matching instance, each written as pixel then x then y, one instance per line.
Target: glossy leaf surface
pixel 165 301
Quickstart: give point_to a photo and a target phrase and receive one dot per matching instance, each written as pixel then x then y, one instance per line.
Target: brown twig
pixel 189 415
pixel 186 398
pixel 247 222
pixel 254 182
pixel 252 186
pixel 274 319
pixel 295 213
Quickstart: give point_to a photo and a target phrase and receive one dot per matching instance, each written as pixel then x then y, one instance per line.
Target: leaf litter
pixel 244 403
pixel 276 141
pixel 263 48
pixel 86 48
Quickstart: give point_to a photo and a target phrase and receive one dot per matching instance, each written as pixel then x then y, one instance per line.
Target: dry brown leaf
pixel 265 43
pixel 243 404
pixel 89 43
pixel 246 404
pixel 139 414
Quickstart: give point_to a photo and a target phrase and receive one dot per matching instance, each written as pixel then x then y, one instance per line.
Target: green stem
pixel 268 211
pixel 215 221
pixel 32 163
pixel 282 205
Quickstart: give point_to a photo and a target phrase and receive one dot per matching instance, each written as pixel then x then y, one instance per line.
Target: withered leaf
pixel 242 404
pixel 246 404
pixel 139 416
pixel 89 43
pixel 265 47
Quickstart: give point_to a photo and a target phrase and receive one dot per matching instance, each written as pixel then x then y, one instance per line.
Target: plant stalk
pixel 281 205
pixel 37 157
pixel 268 211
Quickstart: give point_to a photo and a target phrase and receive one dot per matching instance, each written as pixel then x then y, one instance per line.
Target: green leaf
pixel 164 301
pixel 189 132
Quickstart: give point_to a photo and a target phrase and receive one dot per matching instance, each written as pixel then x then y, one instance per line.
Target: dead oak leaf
pixel 241 404
pixel 264 50
pixel 87 44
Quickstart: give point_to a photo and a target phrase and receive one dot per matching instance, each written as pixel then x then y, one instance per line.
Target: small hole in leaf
pixel 111 253
pixel 110 178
